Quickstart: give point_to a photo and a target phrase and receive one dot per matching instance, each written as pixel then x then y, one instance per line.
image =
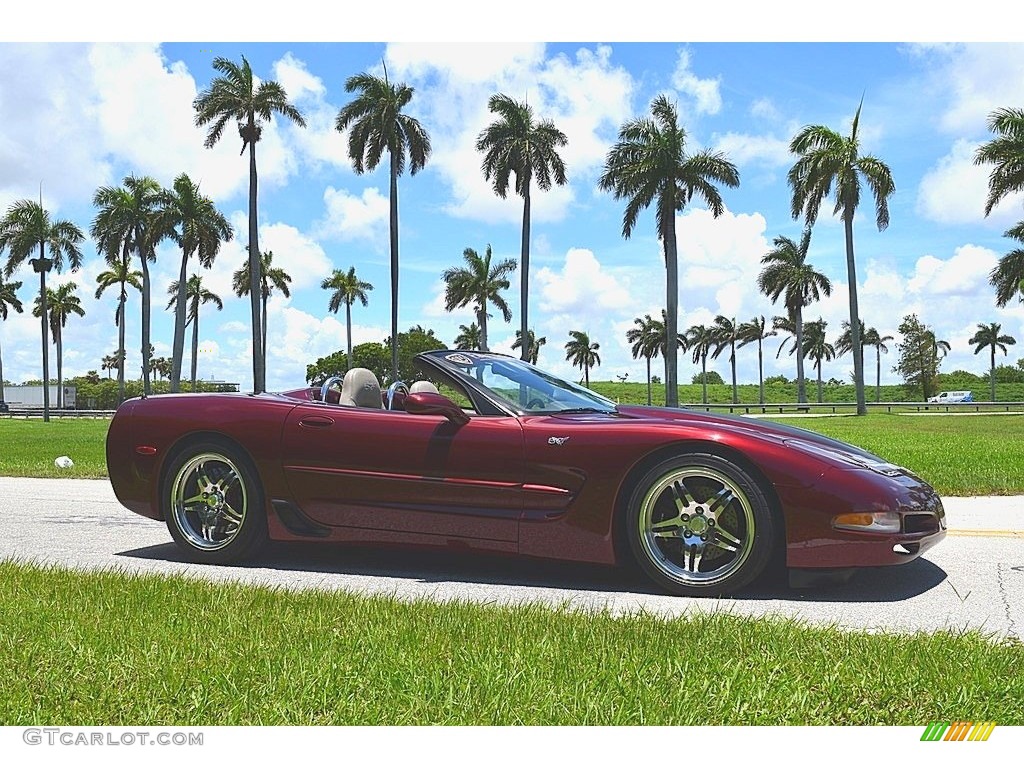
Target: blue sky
pixel 78 115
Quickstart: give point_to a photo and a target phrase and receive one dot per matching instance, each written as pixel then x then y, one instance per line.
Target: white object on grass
pixel 63 462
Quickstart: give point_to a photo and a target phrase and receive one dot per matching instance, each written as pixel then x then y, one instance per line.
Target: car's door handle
pixel 317 422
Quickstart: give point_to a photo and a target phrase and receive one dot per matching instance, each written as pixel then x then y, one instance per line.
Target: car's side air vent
pixel 296 521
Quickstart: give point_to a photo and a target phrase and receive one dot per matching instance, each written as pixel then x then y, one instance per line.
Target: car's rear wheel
pixel 700 525
pixel 213 504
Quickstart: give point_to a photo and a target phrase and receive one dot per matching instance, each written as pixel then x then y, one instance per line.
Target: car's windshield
pixel 523 387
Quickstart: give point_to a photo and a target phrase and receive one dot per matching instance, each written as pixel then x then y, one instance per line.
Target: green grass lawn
pixel 29 446
pixel 109 648
pixel 958 455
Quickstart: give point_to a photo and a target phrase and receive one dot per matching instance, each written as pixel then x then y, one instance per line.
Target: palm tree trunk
pixel 672 312
pixel 801 385
pixel 735 394
pixel 348 326
pixel 760 371
pixel 648 379
pixel 195 344
pixel 858 354
pixel 259 374
pixel 146 311
pixel 878 375
pixel 120 346
pixel 60 366
pixel 524 272
pixel 481 317
pixel 393 223
pixel 46 339
pixel 178 350
pixel 819 380
pixel 266 297
pixel 1 375
pixel 992 374
pixel 704 376
pixel 586 373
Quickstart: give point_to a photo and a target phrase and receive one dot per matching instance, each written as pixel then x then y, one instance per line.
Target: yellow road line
pixel 979 532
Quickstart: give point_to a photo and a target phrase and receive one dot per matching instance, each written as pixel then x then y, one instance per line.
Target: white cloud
pixel 964 274
pixel 351 217
pixel 585 95
pixel 704 91
pixel 955 189
pixel 318 141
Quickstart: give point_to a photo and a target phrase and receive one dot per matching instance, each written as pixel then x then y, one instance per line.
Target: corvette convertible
pixel 489 453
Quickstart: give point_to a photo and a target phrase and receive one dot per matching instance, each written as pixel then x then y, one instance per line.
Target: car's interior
pixel 360 388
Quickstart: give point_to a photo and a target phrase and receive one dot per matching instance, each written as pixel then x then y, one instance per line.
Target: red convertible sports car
pixel 513 460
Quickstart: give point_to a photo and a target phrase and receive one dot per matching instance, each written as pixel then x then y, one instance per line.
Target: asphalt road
pixel 973 579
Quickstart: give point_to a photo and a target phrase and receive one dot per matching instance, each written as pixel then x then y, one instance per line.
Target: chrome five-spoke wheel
pixel 213 509
pixel 700 525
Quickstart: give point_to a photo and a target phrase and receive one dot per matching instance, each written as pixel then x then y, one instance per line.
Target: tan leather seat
pixel 361 389
pixel 423 386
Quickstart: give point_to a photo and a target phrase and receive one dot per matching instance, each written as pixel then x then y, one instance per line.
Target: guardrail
pixel 17 412
pixel 998 406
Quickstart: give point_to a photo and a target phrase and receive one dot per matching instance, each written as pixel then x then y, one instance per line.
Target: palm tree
pixel 1008 275
pixel 872 338
pixel 235 95
pixel 582 353
pixel 516 144
pixel 60 304
pixel 826 158
pixel 649 164
pixel 989 336
pixel 1006 153
pixel 787 274
pixel 112 362
pixel 647 338
pixel 26 226
pixel 478 282
pixel 130 219
pixel 469 337
pixel 869 337
pixel 271 277
pixel 199 228
pixel 378 126
pixel 161 366
pixel 727 333
pixel 8 300
pixel 699 339
pixel 346 288
pixel 817 348
pixel 121 275
pixel 753 330
pixel 533 353
pixel 195 294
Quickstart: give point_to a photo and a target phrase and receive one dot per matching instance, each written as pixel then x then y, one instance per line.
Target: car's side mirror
pixel 426 403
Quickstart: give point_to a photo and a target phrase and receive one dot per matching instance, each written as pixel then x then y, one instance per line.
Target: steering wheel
pixel 327 386
pixel 396 387
pixel 535 404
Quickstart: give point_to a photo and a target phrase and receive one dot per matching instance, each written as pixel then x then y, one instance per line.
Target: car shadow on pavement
pixel 884 584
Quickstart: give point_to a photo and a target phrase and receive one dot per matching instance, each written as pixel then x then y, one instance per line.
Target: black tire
pixel 213 504
pixel 699 525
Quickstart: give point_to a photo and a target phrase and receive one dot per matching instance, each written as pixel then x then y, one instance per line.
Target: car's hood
pixel 759 427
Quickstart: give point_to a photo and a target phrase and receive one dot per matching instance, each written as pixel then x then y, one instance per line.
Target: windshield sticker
pixel 459 359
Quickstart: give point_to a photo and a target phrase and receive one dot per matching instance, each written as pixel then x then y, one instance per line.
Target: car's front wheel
pixel 700 525
pixel 213 504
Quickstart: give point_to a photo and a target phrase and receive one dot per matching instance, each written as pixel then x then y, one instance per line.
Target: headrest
pixel 360 388
pixel 423 386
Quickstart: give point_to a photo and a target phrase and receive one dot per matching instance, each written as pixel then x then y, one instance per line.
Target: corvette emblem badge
pixel 557 440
